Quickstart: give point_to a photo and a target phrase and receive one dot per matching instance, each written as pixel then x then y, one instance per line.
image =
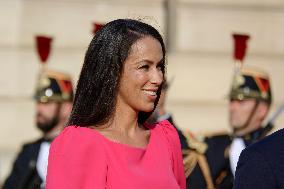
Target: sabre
pixel 269 125
pixel 276 113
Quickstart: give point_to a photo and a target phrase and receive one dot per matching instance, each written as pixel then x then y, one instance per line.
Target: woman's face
pixel 142 75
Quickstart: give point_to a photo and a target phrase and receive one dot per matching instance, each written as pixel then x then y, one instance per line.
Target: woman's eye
pixel 160 66
pixel 144 67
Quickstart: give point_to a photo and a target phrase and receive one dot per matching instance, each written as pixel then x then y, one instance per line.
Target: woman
pixel 107 144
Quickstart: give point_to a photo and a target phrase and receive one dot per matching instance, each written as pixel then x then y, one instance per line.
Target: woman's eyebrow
pixel 150 61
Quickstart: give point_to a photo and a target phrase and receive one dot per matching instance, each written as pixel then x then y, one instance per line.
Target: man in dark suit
pixel 261 165
pixel 54 96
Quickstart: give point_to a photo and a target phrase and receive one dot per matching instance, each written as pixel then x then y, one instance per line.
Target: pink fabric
pixel 82 158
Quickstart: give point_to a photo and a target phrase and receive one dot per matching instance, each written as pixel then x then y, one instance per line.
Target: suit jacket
pixel 261 165
pixel 24 174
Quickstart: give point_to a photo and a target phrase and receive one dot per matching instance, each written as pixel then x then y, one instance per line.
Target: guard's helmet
pixel 54 86
pixel 251 83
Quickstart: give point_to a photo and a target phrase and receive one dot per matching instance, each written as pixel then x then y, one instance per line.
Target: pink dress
pixel 82 158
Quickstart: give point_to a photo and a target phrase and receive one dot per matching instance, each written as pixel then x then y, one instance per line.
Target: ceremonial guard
pixel 211 163
pixel 53 96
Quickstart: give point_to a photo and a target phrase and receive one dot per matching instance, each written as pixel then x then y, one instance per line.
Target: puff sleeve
pixel 76 160
pixel 175 151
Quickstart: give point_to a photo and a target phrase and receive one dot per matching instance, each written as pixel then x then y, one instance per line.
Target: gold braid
pixel 194 155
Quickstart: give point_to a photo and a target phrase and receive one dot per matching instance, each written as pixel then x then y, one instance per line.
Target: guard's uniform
pixel 211 168
pixel 24 174
pixel 29 168
pixel 206 162
pixel 211 163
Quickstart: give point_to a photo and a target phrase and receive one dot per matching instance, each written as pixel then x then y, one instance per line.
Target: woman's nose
pixel 157 77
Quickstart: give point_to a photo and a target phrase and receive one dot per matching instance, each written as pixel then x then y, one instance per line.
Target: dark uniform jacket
pixel 212 165
pixel 225 179
pixel 261 165
pixel 24 174
pixel 218 163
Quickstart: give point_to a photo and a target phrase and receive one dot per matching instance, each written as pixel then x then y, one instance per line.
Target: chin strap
pixel 249 118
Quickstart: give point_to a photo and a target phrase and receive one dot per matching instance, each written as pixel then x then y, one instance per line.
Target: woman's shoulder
pixel 74 133
pixel 164 125
pixel 75 138
pixel 165 128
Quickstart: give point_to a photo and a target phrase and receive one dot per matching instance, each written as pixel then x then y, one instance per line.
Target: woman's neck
pixel 123 127
pixel 124 120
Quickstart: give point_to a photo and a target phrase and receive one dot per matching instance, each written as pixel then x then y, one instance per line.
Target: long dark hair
pixel 98 84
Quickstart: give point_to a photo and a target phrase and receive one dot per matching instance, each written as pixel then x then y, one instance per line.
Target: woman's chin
pixel 148 108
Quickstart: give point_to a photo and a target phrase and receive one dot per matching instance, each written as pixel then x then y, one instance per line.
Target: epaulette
pixel 190 159
pixel 196 155
pixel 195 143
